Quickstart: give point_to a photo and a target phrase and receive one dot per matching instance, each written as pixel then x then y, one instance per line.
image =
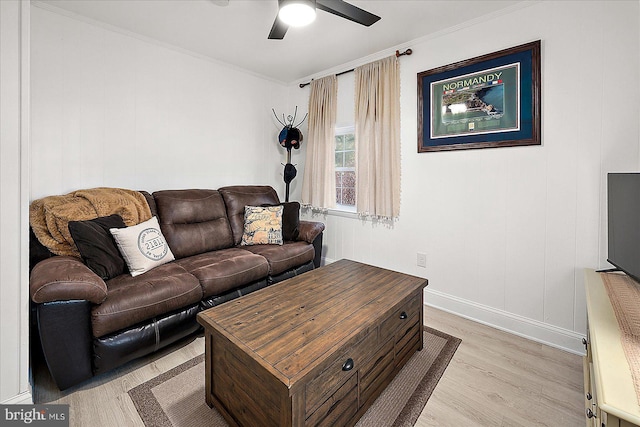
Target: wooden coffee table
pixel 316 349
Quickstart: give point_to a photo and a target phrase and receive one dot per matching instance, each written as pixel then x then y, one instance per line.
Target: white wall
pixel 114 109
pixel 507 231
pixel 14 103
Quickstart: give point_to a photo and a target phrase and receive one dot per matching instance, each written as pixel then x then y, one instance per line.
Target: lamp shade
pixel 297 13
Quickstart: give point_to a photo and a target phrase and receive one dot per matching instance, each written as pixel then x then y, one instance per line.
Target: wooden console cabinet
pixel 610 397
pixel 314 350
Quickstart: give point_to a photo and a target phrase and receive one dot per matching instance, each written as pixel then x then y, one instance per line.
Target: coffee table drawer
pixel 376 373
pixel 339 407
pixel 407 342
pixel 404 315
pixel 338 371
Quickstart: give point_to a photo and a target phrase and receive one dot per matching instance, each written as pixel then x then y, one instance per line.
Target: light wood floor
pixel 499 379
pixel 494 379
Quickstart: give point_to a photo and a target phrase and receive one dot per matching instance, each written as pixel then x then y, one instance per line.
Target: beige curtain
pixel 319 182
pixel 378 139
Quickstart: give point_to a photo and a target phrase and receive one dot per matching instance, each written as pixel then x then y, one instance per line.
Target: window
pixel 345 154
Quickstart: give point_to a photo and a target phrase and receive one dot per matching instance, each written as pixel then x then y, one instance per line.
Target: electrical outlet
pixel 421 260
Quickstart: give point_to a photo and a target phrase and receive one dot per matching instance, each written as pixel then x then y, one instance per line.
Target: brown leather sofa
pixel 87 326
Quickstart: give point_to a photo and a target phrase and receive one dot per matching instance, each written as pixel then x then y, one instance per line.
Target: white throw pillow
pixel 142 246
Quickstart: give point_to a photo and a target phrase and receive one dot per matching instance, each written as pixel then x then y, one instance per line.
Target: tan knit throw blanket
pixel 624 294
pixel 49 217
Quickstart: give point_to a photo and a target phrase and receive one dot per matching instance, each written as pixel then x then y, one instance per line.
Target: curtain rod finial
pixel 406 52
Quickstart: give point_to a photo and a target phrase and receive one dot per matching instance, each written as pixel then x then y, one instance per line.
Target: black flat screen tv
pixel 623 223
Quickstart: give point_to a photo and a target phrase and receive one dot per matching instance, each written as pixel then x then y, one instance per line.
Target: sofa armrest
pixel 64 278
pixel 309 230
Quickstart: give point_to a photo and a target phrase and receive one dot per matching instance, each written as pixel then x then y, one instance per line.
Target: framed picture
pixel 488 101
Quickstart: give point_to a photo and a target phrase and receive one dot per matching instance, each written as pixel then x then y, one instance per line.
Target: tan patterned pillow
pixel 262 225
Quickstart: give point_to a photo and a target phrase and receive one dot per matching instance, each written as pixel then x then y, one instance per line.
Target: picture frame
pixel 488 101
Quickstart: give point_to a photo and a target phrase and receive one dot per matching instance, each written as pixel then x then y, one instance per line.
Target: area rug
pixel 176 398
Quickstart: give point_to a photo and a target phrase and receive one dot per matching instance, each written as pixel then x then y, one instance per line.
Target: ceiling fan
pixel 302 12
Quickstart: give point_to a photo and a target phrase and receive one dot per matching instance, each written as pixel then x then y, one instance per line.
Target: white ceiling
pixel 237 33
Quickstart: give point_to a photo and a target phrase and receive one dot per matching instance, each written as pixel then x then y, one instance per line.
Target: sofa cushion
pixel 225 270
pixel 193 221
pixel 262 225
pixel 282 258
pixel 131 300
pixel 143 246
pixel 96 245
pixel 239 196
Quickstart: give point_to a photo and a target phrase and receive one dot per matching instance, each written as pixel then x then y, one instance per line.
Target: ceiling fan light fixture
pixel 297 13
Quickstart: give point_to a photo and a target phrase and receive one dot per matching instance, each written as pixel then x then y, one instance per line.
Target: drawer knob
pixel 348 365
pixel 403 315
pixel 590 413
pixel 589 397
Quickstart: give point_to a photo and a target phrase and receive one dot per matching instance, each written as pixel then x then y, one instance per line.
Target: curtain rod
pixel 398 54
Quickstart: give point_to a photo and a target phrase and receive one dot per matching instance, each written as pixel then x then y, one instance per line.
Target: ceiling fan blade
pixel 278 30
pixel 348 11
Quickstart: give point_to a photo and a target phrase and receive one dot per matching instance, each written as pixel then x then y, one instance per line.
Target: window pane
pixel 350 159
pixel 339 143
pixel 350 141
pixel 348 196
pixel 340 159
pixel 349 179
pixel 338 197
pixel 338 179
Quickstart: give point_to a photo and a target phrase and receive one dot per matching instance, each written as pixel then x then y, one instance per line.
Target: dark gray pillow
pixel 97 247
pixel 290 219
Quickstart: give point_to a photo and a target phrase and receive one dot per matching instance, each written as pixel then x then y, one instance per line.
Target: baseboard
pixel 544 333
pixel 24 398
pixel 326 261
